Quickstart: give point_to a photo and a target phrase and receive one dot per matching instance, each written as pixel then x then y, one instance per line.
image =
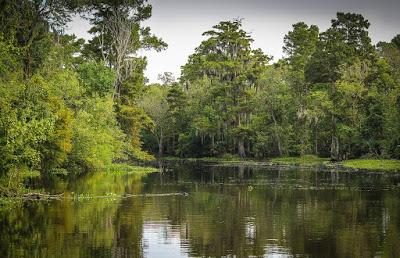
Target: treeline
pixel 66 104
pixel 334 94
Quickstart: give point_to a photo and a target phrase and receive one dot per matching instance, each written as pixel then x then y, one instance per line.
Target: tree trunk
pixel 334 142
pixel 278 139
pixel 241 149
pixel 316 140
pixel 335 148
pixel 173 144
pixel 160 146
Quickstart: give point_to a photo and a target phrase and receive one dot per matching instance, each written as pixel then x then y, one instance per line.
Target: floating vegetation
pixel 116 196
pixel 125 168
pixel 5 200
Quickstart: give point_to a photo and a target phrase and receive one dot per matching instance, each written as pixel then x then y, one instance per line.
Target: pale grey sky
pixel 181 22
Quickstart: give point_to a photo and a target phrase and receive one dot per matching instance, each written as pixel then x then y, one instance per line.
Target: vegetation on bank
pixel 365 164
pixel 310 160
pixel 66 105
pixel 373 164
pixel 128 169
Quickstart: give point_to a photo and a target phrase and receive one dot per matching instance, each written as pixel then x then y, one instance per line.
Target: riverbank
pixel 16 186
pixel 306 162
pixel 373 164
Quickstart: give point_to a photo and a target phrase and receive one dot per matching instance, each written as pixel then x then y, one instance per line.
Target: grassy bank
pixel 373 164
pixel 309 160
pixel 129 169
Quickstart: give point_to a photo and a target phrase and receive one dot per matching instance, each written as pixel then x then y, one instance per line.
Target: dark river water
pixel 227 212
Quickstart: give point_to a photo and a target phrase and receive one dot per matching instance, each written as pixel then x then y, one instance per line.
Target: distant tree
pixel 29 23
pixel 119 35
pixel 227 59
pixel 155 104
pixel 346 42
pixel 299 45
pixel 396 41
pixel 273 113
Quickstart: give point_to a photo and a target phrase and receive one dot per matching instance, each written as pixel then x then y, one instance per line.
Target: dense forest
pixel 67 104
pixel 334 94
pixel 71 105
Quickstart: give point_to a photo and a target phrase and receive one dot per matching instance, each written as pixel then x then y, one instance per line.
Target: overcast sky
pixel 180 23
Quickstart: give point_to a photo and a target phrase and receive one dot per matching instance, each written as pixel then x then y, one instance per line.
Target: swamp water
pixel 228 211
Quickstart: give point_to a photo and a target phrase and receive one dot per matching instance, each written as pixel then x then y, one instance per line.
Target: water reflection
pixel 230 211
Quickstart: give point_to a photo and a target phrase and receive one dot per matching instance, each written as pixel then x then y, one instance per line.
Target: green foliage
pixel 129 169
pixel 28 23
pixel 155 104
pixel 396 41
pixel 299 45
pixel 118 36
pixel 231 69
pixel 59 108
pixel 97 140
pixel 10 63
pixel 65 85
pixel 274 108
pixel 26 122
pixel 96 78
pixel 133 120
pixel 373 164
pixel 346 40
pixel 59 141
pixel 65 52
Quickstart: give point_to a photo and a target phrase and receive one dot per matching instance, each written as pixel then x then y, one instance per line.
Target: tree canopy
pixel 333 94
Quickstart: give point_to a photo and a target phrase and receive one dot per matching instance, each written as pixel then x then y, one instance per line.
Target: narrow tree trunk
pixel 334 142
pixel 241 149
pixel 160 146
pixel 316 140
pixel 335 148
pixel 278 139
pixel 173 143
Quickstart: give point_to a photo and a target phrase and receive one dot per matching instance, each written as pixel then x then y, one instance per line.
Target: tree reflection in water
pixel 230 211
